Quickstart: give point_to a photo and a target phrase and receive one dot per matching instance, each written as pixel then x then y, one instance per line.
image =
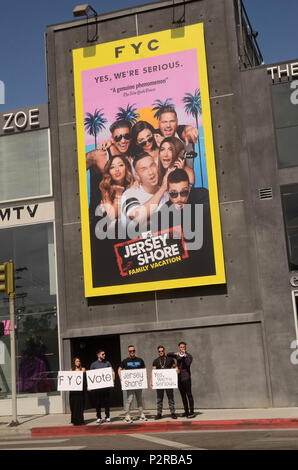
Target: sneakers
pixel 128 419
pixel 99 421
pixel 158 416
pixel 108 420
pixel 191 415
pixel 143 417
pixel 173 415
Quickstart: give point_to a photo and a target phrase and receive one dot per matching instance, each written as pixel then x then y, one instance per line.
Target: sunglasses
pixel 175 194
pixel 145 142
pixel 131 350
pixel 122 136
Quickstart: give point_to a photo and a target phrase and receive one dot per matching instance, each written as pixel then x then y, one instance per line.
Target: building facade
pixel 27 231
pixel 241 331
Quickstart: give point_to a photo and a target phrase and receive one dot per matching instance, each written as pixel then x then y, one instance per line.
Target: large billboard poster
pixel 148 190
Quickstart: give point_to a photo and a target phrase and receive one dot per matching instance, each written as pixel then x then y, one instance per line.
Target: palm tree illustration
pixel 158 105
pixel 94 123
pixel 129 114
pixel 193 106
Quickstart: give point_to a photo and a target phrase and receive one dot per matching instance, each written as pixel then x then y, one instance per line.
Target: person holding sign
pixel 184 360
pixel 77 398
pixel 164 362
pixel 100 397
pixel 131 363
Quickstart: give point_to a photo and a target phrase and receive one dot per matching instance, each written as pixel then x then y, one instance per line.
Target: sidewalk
pixel 223 419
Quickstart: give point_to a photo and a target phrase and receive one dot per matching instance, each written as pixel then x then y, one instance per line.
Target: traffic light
pixel 7 277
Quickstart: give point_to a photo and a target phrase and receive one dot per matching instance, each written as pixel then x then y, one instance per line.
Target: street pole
pixel 14 421
pixel 7 285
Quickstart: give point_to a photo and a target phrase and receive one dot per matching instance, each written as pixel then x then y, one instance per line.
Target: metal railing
pixel 249 51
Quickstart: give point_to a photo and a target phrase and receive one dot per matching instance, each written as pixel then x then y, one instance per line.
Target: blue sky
pixel 22 63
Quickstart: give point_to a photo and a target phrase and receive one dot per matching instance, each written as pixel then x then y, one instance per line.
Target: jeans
pixel 129 398
pixel 170 395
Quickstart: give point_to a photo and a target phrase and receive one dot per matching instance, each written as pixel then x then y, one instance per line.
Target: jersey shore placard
pixel 134 379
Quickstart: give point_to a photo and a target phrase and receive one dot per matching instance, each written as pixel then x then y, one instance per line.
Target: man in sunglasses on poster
pixel 118 144
pixel 189 208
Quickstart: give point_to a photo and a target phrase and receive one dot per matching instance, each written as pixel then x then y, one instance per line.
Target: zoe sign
pixel 21 120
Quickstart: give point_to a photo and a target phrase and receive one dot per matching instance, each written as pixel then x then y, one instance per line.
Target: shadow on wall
pixel 44 402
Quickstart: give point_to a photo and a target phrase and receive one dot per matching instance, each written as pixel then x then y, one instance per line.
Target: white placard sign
pixel 164 378
pixel 2 352
pixel 133 379
pixel 70 380
pixel 100 378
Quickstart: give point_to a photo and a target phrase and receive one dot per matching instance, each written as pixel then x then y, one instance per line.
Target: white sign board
pixel 100 378
pixel 164 378
pixel 2 352
pixel 70 380
pixel 133 379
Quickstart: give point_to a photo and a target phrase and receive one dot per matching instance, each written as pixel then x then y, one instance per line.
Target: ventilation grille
pixel 265 193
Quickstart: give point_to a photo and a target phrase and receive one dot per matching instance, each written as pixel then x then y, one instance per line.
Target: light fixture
pixel 83 10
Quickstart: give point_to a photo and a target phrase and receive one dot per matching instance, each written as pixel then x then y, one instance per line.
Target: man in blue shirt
pixel 100 397
pixel 132 362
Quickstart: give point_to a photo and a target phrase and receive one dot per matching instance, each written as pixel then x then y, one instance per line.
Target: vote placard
pixel 100 378
pixel 164 378
pixel 134 379
pixel 70 381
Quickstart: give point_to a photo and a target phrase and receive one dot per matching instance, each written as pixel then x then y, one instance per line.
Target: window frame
pixel 42 196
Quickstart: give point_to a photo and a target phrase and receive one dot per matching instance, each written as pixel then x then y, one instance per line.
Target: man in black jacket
pixel 184 360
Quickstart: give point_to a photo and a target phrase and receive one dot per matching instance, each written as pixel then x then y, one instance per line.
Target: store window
pixel 25 165
pixel 32 250
pixel 289 195
pixel 285 109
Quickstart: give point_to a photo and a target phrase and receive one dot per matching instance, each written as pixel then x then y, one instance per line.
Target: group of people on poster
pixel 138 176
pixel 100 398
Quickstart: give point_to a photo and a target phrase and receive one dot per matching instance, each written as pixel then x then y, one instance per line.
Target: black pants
pixel 186 395
pixel 76 402
pixel 100 399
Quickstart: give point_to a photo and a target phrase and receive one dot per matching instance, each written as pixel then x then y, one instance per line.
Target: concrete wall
pixel 239 333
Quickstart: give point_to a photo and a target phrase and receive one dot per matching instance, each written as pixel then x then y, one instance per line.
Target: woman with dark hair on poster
pixel 143 139
pixel 117 177
pixel 171 153
pixel 77 398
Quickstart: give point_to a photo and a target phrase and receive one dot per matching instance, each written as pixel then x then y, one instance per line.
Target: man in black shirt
pixel 164 362
pixel 132 362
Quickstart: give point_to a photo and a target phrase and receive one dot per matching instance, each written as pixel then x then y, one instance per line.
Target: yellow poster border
pixel 169 41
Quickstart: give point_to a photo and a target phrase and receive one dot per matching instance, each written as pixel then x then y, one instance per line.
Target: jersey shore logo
pixel 151 252
pixel 2 92
pixel 190 221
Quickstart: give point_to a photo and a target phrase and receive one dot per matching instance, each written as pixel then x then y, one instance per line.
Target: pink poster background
pixel 130 84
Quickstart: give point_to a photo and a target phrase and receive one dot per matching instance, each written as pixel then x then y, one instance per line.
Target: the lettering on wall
pixel 21 120
pixel 278 72
pixel 26 214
